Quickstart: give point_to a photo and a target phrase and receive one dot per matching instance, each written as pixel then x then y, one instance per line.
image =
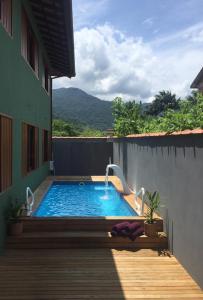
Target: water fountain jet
pixel 119 173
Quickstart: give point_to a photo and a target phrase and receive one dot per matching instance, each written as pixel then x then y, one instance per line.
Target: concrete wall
pixel 23 98
pixel 172 165
pixel 81 156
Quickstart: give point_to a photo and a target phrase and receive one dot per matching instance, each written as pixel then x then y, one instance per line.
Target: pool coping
pixel 130 199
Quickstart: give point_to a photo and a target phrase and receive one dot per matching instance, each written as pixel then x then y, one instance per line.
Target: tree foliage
pixel 127 117
pixel 186 114
pixel 65 128
pixel 62 128
pixel 164 100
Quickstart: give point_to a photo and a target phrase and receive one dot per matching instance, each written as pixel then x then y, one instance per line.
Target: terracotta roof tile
pixel 184 132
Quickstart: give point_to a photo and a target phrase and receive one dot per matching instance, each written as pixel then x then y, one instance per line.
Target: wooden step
pixel 36 224
pixel 82 239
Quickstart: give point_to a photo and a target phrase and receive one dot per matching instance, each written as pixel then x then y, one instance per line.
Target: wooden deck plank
pixel 93 274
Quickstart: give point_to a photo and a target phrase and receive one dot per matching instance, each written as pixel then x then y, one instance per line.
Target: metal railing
pixel 140 208
pixel 29 200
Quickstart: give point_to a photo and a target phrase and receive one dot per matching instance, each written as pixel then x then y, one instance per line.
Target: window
pixel 5 152
pixel 29 46
pixel 46 80
pixel 45 145
pixel 30 148
pixel 6 15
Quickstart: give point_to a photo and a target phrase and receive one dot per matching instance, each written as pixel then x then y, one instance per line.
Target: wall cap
pixel 164 134
pixel 80 137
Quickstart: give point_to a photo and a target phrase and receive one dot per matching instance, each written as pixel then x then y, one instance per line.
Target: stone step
pixel 82 239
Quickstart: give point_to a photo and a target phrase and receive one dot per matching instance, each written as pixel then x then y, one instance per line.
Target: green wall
pixel 24 99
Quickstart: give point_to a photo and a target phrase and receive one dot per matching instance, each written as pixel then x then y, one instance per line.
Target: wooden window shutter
pixel 43 145
pixel 24 35
pixel 46 146
pixel 1 10
pixel 49 84
pixel 5 152
pixel 6 15
pixel 24 148
pixel 43 78
pixel 30 148
pixel 49 146
pixel 36 154
pixel 36 58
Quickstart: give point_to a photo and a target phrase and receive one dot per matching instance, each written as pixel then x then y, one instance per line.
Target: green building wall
pixel 23 98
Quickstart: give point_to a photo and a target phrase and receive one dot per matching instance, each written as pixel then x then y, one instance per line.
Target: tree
pixel 163 100
pixel 127 117
pixel 62 128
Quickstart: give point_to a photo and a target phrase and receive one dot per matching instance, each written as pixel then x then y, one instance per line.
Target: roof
pixel 198 82
pixel 55 22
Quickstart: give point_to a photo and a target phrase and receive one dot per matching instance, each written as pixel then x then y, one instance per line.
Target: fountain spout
pixel 119 173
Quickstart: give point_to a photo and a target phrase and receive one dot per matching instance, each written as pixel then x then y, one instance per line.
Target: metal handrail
pixel 29 204
pixel 139 208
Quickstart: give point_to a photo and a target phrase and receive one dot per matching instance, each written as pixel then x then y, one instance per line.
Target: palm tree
pixel 164 100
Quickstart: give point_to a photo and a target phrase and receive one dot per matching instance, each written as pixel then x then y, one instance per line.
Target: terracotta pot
pixel 151 229
pixel 15 228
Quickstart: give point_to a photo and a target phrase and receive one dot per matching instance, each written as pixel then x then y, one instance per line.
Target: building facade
pixel 36 43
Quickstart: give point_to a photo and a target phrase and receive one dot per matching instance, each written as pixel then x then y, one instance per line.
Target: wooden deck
pixel 93 274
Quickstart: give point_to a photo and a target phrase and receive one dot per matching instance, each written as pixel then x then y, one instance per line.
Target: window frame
pixel 6 16
pixel 29 44
pixel 46 79
pixel 7 155
pixel 27 155
pixel 45 146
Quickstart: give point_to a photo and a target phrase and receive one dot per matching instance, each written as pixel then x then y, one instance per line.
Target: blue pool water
pixel 83 199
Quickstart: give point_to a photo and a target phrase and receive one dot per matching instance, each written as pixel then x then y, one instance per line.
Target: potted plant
pixel 15 225
pixel 150 225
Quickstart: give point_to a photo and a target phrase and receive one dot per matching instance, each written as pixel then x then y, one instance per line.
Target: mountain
pixel 75 105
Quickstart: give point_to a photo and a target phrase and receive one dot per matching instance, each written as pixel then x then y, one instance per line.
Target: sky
pixel 135 48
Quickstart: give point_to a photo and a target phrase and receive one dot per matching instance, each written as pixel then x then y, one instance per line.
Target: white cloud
pixel 148 22
pixel 87 12
pixel 110 64
pixel 191 34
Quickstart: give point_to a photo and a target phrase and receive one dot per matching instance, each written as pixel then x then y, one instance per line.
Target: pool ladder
pixel 30 200
pixel 140 208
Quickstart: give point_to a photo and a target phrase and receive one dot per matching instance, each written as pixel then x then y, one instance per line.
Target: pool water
pixel 83 199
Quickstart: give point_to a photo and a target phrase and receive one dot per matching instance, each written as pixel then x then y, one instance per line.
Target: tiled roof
pixel 184 132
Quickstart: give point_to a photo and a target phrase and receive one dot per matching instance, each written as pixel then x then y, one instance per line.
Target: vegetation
pixel 163 101
pixel 166 113
pixel 15 211
pixel 76 106
pixel 63 128
pixel 153 202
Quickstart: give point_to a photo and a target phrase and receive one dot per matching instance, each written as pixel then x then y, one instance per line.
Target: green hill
pixel 73 104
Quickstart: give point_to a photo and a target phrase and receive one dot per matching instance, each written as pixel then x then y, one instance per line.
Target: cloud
pixel 87 13
pixel 110 64
pixel 148 22
pixel 192 34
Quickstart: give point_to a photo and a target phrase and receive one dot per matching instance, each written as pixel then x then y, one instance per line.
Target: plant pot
pixel 151 229
pixel 15 228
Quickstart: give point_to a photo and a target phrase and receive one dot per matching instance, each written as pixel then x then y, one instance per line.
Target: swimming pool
pixel 65 198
